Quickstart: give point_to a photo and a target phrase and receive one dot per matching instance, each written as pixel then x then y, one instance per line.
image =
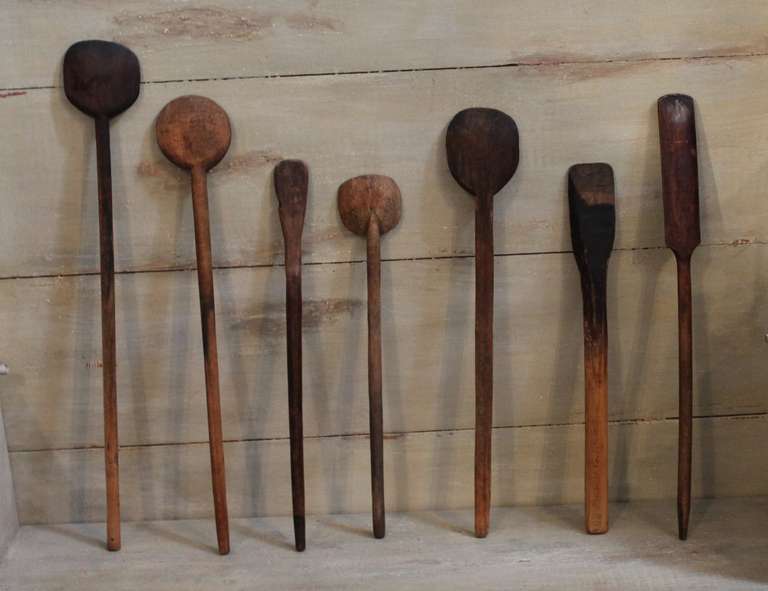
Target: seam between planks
pixel 185 269
pixel 399 434
pixel 532 64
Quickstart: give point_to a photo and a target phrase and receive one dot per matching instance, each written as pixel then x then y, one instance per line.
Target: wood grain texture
pixel 51 398
pixel 238 38
pixel 533 465
pixel 394 124
pixel 9 520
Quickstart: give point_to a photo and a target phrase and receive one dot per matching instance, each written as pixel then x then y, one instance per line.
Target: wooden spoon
pixel 370 206
pixel 102 80
pixel 291 180
pixel 680 181
pixel 194 133
pixel 483 152
pixel 593 221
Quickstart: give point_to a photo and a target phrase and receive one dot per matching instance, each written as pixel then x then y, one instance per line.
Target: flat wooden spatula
pixel 593 221
pixel 680 183
pixel 291 181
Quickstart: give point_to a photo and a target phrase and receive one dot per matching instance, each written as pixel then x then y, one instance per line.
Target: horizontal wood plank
pixel 52 397
pixel 230 38
pixel 534 465
pixel 391 124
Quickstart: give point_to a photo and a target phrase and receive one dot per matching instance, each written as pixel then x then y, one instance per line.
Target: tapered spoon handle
pixel 108 348
pixel 295 426
pixel 208 318
pixel 483 362
pixel 685 429
pixel 374 376
pixel 596 382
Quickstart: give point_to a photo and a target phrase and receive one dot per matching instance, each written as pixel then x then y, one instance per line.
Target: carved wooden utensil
pixel 680 183
pixel 483 152
pixel 593 221
pixel 370 206
pixel 194 133
pixel 102 80
pixel 291 180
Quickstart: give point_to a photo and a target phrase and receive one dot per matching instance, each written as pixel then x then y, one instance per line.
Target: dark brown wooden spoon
pixel 370 206
pixel 483 152
pixel 194 133
pixel 680 183
pixel 593 222
pixel 291 184
pixel 102 79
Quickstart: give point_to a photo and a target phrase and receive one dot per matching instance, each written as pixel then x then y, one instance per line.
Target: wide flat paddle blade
pixel 593 214
pixel 679 173
pixel 291 185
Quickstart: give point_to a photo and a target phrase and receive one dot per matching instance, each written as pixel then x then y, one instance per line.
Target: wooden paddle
pixel 291 179
pixel 680 182
pixel 370 206
pixel 483 151
pixel 102 80
pixel 194 133
pixel 593 220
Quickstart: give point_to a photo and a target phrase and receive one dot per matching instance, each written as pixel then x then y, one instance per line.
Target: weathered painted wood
pixel 9 521
pixel 238 38
pixel 52 398
pixel 532 465
pixel 393 124
pixel 539 548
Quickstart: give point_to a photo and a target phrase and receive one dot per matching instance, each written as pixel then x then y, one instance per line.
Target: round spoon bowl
pixel 483 150
pixel 101 78
pixel 369 195
pixel 193 131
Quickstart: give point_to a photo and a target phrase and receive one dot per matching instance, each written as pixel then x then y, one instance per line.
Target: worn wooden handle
pixel 685 376
pixel 108 348
pixel 293 315
pixel 374 376
pixel 596 382
pixel 208 317
pixel 483 362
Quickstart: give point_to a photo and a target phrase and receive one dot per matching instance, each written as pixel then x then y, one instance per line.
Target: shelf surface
pixel 528 548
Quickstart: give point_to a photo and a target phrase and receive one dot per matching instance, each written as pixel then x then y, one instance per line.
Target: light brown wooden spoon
pixel 370 206
pixel 194 133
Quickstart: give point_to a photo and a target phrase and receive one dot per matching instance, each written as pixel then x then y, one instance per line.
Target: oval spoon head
pixel 193 131
pixel 101 78
pixel 369 195
pixel 483 150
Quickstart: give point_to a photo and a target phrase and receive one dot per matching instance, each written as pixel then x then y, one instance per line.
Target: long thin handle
pixel 685 425
pixel 293 314
pixel 208 317
pixel 108 350
pixel 374 376
pixel 596 402
pixel 483 362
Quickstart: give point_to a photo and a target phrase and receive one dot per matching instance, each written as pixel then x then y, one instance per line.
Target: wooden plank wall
pixel 9 519
pixel 360 88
